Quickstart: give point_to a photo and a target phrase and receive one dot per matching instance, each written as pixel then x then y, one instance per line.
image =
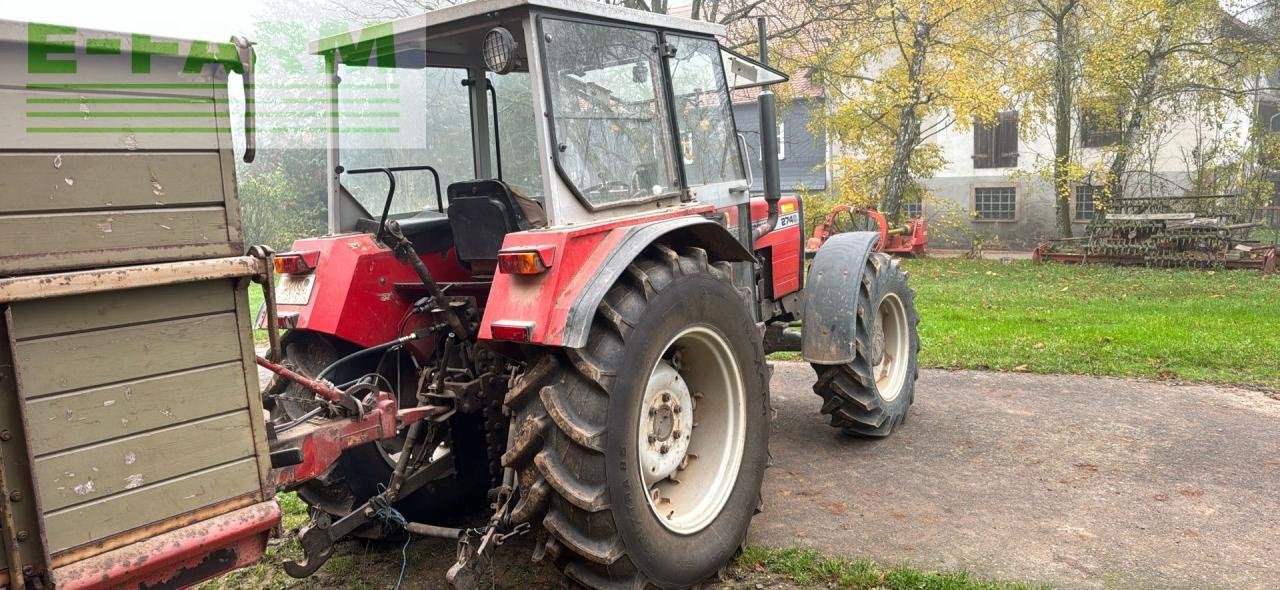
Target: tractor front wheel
pixel 871 395
pixel 642 454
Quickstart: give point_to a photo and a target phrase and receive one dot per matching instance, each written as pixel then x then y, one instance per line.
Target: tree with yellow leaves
pixel 1153 62
pixel 898 72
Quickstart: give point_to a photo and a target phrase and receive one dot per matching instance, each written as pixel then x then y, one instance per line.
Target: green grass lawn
pixel 1204 326
pixel 255 303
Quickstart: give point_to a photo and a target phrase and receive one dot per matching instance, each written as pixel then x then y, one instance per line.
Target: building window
pixel 995 144
pixel 995 203
pixel 1269 116
pixel 913 208
pixel 1098 128
pixel 1084 205
pixel 782 143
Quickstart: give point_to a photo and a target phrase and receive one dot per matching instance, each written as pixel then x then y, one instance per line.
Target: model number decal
pixel 788 220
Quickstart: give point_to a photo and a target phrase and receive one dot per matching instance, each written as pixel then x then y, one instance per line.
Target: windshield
pixel 611 127
pixel 404 117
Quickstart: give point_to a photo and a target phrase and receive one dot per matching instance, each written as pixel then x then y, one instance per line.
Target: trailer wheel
pixel 871 395
pixel 651 441
pixel 361 470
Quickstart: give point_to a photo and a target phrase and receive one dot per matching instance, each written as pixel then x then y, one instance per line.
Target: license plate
pixel 294 290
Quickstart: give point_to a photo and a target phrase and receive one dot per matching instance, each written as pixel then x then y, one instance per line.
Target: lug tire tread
pixel 848 391
pixel 569 466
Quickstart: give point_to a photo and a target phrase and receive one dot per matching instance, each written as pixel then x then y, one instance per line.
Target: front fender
pixel 831 298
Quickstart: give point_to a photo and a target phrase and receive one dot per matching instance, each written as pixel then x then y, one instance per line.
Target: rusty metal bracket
pixel 267 280
pixel 24 533
pixel 14 557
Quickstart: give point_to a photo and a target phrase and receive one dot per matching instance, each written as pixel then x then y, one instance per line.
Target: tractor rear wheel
pixel 651 441
pixel 871 395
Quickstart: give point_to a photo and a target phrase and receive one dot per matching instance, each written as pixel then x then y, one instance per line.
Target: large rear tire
pixel 672 385
pixel 871 395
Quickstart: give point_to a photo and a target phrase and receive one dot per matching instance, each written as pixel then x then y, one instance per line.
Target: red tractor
pixel 583 319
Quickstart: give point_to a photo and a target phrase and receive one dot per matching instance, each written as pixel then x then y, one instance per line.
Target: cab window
pixel 704 115
pixel 612 129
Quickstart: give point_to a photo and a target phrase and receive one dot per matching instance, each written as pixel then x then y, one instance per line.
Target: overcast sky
pixel 209 21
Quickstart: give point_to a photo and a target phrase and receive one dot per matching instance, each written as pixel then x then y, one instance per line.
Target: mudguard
pixel 831 298
pixel 560 305
pixel 699 231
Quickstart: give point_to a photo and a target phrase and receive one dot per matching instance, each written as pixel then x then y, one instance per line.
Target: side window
pixel 704 115
pixel 913 208
pixel 1269 116
pixel 1099 128
pixel 995 203
pixel 1084 206
pixel 782 142
pixel 995 145
pixel 613 136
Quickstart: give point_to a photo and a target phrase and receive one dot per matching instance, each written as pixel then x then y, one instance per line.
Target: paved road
pixel 1077 482
pixel 1073 481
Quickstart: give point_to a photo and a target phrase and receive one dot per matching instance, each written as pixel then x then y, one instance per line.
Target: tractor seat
pixel 482 213
pixel 427 230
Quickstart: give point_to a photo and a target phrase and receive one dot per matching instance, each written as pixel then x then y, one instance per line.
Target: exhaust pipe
pixel 768 142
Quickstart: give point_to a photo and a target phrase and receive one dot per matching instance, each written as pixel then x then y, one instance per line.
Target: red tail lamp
pixel 526 260
pixel 512 331
pixel 297 263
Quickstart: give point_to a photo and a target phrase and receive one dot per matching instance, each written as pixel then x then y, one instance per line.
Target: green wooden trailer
pixel 133 445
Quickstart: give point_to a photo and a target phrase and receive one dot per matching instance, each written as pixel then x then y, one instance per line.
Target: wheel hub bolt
pixel 664 448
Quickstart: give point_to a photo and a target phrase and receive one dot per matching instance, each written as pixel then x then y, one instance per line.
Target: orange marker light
pixel 526 262
pixel 296 263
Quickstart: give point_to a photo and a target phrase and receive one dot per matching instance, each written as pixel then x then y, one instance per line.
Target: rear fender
pixel 831 298
pixel 559 305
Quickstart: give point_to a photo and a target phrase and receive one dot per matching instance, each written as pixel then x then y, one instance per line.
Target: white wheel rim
pixel 891 372
pixel 692 430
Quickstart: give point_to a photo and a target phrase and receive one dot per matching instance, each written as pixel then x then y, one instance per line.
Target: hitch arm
pixel 317 538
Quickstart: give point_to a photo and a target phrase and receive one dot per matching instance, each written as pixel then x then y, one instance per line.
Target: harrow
pixel 1167 232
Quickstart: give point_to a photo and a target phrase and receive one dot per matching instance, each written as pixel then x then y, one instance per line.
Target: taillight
pixel 513 331
pixel 297 263
pixel 526 261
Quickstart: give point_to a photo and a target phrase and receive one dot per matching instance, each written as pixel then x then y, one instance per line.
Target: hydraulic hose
pixel 368 351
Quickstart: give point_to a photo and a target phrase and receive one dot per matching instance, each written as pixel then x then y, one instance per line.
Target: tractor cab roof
pixel 452 36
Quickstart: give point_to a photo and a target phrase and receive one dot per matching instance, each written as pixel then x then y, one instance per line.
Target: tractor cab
pixel 468 123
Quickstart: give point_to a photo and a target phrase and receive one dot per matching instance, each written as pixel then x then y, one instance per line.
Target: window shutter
pixel 983 145
pixel 1088 120
pixel 1006 148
